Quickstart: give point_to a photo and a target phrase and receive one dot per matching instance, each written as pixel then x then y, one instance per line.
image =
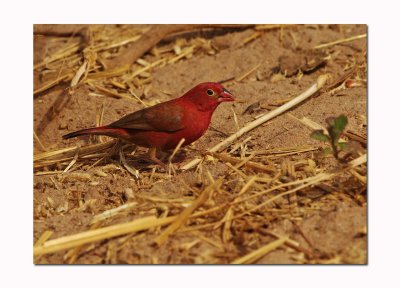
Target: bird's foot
pixel 114 150
pixel 153 157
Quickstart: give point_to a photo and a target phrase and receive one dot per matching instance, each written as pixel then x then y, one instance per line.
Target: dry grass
pixel 243 206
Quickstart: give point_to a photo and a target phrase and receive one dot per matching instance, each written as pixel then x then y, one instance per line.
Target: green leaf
pixel 343 145
pixel 319 135
pixel 327 151
pixel 340 123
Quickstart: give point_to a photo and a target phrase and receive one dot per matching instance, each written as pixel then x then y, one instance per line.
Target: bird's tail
pixel 103 130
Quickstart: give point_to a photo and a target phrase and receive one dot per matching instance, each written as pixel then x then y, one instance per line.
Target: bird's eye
pixel 210 92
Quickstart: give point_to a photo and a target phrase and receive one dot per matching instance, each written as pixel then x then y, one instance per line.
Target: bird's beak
pixel 225 96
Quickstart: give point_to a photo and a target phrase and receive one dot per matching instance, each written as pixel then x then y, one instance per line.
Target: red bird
pixel 162 126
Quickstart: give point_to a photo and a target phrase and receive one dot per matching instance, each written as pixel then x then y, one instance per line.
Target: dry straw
pixel 362 36
pixel 145 223
pixel 259 253
pixel 72 241
pixel 183 217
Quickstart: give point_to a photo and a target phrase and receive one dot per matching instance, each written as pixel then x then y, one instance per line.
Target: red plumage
pixel 162 126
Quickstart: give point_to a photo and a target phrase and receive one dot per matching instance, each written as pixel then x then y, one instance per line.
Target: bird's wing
pixel 165 117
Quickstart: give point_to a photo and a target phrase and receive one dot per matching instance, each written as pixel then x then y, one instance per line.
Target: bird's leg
pixel 164 155
pixel 153 156
pixel 115 149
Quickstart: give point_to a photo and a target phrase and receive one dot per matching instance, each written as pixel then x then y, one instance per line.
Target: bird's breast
pixel 196 124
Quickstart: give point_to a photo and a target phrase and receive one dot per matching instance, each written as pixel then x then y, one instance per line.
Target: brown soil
pixel 331 223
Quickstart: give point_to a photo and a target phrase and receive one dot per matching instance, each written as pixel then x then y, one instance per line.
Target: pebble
pixel 129 193
pixel 100 173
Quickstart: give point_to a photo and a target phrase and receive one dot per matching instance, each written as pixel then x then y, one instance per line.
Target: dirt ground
pixel 327 221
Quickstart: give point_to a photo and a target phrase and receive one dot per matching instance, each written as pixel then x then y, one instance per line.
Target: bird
pixel 164 125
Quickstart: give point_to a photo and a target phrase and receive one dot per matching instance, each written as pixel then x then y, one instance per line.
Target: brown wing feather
pixel 165 117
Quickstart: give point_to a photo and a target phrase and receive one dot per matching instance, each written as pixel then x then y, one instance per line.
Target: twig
pixel 358 161
pixel 100 234
pixel 240 78
pixel 249 164
pixel 251 37
pixel 52 83
pixel 249 183
pixel 43 238
pixel 171 167
pixel 38 141
pixel 78 75
pixel 354 136
pixel 341 41
pixel 112 93
pixel 112 212
pixel 226 232
pixel 72 255
pixel 152 38
pixel 72 162
pixel 63 54
pixel 272 26
pixel 130 169
pixel 185 214
pixel 58 30
pixel 176 150
pixel 184 53
pixel 70 151
pixel 257 254
pixel 144 69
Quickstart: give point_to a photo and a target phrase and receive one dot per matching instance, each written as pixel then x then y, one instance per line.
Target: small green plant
pixel 335 129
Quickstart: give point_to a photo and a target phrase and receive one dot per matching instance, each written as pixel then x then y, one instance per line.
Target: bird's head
pixel 207 96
